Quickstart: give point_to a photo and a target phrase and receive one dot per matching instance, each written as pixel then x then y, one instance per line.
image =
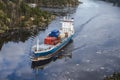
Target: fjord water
pixel 93 54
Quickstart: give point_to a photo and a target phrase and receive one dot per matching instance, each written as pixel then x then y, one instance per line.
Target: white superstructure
pixel 67 26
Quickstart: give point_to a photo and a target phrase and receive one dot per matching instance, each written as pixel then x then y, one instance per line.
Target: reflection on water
pixel 42 64
pixel 16 36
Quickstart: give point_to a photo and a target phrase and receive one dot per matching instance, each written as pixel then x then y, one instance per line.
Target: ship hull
pixel 49 54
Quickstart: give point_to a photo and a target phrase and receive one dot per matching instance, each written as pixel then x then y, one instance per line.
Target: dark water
pixel 97 26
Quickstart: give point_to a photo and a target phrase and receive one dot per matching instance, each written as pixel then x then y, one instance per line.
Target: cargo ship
pixel 54 41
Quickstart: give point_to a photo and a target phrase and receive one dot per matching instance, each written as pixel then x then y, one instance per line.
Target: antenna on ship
pixel 68 14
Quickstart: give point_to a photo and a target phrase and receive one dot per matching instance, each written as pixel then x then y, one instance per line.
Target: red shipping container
pixel 50 40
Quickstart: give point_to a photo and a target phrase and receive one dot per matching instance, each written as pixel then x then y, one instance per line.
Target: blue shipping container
pixel 54 33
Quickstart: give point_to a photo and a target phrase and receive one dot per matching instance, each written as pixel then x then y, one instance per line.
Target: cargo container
pixel 51 40
pixel 54 33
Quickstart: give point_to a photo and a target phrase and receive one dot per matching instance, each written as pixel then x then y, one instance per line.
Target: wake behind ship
pixel 55 40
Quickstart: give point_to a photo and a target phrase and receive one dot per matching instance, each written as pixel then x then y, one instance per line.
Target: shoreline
pixel 115 2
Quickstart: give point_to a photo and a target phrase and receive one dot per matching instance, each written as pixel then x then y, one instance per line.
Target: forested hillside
pixel 15 14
